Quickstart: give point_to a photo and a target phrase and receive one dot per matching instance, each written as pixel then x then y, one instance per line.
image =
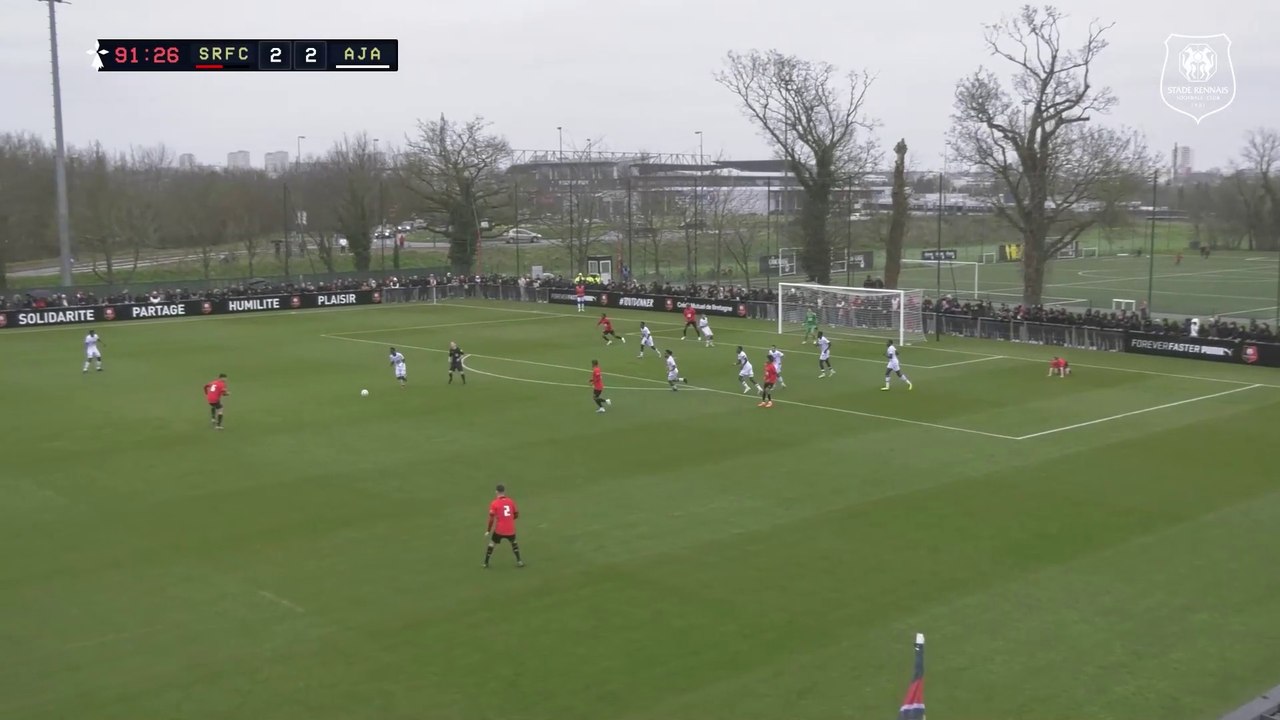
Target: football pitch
pixel 1238 284
pixel 1099 546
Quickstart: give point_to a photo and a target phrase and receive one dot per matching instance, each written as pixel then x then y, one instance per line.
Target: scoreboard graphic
pixel 246 55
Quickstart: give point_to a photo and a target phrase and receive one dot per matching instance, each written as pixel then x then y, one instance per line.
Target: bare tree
pixel 1036 139
pixel 1261 155
pixel 353 173
pixel 816 122
pixel 455 171
pixel 898 221
pixel 725 211
pixel 741 244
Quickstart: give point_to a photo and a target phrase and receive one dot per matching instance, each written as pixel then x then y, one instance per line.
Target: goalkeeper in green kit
pixel 810 326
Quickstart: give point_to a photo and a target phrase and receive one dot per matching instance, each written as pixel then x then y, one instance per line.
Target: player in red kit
pixel 597 387
pixel 1058 366
pixel 580 293
pixel 770 379
pixel 214 392
pixel 607 324
pixel 502 525
pixel 690 321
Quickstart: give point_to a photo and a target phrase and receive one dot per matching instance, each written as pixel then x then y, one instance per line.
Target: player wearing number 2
pixel 502 525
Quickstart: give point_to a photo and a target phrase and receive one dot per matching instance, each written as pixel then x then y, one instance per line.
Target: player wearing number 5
pixel 502 525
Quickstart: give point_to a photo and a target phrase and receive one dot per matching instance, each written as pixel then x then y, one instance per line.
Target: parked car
pixel 515 236
pixel 405 227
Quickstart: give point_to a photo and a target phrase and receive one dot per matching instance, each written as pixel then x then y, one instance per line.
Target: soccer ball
pixel 364 393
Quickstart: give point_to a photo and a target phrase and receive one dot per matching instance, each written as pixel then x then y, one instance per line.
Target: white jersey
pixel 892 353
pixel 742 359
pixel 673 372
pixel 746 371
pixel 776 356
pixel 824 348
pixel 704 325
pixel 91 346
pixel 397 362
pixel 646 337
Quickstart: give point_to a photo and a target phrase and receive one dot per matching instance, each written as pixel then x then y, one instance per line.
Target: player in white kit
pixel 673 372
pixel 824 356
pixel 746 374
pixel 704 326
pixel 892 367
pixel 91 351
pixel 646 341
pixel 397 362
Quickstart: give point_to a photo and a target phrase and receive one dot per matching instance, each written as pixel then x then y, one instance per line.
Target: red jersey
pixel 214 391
pixel 597 379
pixel 690 314
pixel 580 290
pixel 502 515
pixel 607 323
pixel 770 374
pixel 1058 363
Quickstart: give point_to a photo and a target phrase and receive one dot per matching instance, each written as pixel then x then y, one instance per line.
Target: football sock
pixel 488 551
pixel 86 366
pixel 464 378
pixel 599 402
pixel 213 414
pixel 219 419
pixel 515 548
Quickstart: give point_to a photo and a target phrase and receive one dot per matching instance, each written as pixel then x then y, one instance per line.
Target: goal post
pixel 873 312
pixel 953 268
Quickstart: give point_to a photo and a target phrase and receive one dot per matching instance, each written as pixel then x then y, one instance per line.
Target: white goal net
pixel 892 314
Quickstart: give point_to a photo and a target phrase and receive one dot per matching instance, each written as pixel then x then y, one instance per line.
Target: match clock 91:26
pixel 156 53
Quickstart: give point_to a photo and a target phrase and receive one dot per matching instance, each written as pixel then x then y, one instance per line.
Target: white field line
pixel 1136 412
pixel 711 390
pixel 930 348
pixel 1238 312
pixel 967 362
pixel 281 601
pixel 577 386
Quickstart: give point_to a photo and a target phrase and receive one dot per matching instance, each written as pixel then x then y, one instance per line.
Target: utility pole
pixel 60 158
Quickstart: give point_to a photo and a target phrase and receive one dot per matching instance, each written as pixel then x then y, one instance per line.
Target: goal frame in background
pixel 901 313
pixel 977 285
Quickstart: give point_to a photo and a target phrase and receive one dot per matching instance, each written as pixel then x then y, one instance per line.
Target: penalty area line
pixel 1131 413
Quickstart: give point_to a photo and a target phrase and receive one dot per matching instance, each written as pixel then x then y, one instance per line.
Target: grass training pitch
pixel 1099 546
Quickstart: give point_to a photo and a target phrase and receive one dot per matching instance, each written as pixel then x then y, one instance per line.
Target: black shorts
pixel 455 366
pixel 690 324
pixel 497 539
pixel 768 386
pixel 215 405
pixel 596 393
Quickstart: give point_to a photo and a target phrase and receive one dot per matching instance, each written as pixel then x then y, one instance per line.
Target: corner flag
pixel 913 703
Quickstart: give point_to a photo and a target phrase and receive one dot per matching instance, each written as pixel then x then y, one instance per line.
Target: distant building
pixel 1182 161
pixel 239 160
pixel 277 162
pixel 186 161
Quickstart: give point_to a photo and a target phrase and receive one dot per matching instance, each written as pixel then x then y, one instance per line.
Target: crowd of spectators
pixel 1135 320
pixel 1138 320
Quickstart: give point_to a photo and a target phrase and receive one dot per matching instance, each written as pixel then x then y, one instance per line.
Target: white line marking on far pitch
pixel 281 601
pixel 1136 412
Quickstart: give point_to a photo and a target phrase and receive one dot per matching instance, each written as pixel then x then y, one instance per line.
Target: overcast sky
pixel 635 75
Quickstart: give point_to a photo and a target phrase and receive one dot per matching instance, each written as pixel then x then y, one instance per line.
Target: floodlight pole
pixel 1151 253
pixel 937 297
pixel 60 157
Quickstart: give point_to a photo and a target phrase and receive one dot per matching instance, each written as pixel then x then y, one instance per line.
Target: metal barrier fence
pixel 1022 331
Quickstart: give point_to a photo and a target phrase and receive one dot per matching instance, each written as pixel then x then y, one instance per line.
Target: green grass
pixel 690 555
pixel 1238 283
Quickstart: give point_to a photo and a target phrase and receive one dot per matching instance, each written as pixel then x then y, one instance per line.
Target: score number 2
pixel 158 55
